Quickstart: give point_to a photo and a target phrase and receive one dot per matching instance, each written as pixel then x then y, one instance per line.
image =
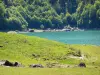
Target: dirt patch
pixel 76 57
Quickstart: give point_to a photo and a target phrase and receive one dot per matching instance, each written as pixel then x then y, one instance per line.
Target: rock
pixel 36 66
pixel 82 64
pixel 12 32
pixel 31 30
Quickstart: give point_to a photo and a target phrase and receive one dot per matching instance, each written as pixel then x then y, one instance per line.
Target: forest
pixel 44 14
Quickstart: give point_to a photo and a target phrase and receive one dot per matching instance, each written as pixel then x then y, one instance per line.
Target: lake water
pixel 72 37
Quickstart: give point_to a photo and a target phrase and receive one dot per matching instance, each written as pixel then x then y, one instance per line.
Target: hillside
pixel 43 14
pixel 29 50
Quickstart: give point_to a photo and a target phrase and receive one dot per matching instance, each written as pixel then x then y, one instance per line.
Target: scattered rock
pixel 36 66
pixel 31 30
pixel 12 32
pixel 82 64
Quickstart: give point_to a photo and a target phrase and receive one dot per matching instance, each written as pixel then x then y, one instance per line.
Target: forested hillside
pixel 43 14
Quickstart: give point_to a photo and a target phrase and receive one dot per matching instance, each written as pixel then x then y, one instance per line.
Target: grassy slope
pixel 20 48
pixel 92 53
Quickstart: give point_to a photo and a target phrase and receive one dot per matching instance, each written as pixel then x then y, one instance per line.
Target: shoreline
pixel 50 30
pixel 40 31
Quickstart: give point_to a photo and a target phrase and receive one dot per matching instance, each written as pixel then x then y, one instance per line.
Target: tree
pixel 68 17
pixel 53 1
pixel 20 14
pixel 42 26
pixel 2 19
pixel 2 10
pixel 98 14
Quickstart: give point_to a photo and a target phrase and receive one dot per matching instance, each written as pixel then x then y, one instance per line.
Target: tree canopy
pixel 43 14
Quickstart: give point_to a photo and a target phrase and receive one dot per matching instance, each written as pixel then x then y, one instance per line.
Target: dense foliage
pixel 43 14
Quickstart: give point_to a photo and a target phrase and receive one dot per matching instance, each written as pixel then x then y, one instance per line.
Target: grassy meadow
pixel 27 50
pixel 34 50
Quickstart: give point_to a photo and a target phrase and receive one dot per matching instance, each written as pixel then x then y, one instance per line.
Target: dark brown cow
pixel 82 64
pixel 8 63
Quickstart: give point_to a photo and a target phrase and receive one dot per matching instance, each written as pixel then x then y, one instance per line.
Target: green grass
pixel 30 49
pixel 91 52
pixel 49 71
pixel 20 48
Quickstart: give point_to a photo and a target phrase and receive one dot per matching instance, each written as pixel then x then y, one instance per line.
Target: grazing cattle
pixel 16 64
pixel 8 63
pixel 1 46
pixel 82 64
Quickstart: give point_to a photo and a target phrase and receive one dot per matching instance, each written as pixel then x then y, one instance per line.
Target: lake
pixel 72 37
